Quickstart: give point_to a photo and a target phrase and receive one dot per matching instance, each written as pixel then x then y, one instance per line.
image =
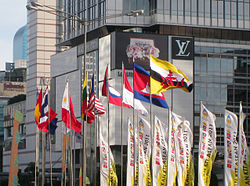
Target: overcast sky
pixel 12 17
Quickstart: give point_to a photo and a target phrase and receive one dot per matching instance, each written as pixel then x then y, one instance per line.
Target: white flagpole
pixel 70 148
pixel 37 157
pixel 43 155
pixel 108 137
pixel 50 150
pixel 95 136
pixel 122 127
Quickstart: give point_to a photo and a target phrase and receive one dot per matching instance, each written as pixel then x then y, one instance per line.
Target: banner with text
pixel 174 121
pixel 144 173
pixel 244 156
pixel 160 152
pixel 207 146
pixel 183 145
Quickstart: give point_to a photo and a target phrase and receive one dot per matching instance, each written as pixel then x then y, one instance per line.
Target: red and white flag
pixel 94 105
pixel 128 96
pixel 68 115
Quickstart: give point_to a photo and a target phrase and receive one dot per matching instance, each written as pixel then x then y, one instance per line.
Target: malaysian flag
pixel 94 104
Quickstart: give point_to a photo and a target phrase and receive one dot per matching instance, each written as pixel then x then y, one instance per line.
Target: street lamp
pixel 38 7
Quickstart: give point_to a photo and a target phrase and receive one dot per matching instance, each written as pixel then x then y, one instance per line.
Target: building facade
pixel 20 48
pixel 221 37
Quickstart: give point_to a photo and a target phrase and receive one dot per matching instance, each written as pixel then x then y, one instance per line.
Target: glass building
pixel 222 43
pixel 220 29
pixel 20 48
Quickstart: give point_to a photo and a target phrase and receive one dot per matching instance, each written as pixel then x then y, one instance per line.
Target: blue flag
pixel 142 88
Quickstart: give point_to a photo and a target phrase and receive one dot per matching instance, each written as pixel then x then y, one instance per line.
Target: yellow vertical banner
pixel 13 170
pixel 207 146
pixel 174 121
pixel 231 149
pixel 244 155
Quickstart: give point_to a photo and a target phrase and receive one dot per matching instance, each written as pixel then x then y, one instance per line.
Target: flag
pixel 107 165
pixel 231 149
pixel 84 97
pixel 128 96
pixel 207 146
pixel 144 173
pixel 68 115
pixel 244 155
pixel 38 107
pixel 165 76
pixel 183 145
pixel 91 102
pixel 174 121
pixel 48 116
pixel 142 88
pixel 52 121
pixel 131 156
pixel 114 97
pixel 159 153
pixel 94 104
pixel 43 123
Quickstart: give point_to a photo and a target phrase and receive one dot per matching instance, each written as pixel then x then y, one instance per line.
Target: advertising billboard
pixel 128 47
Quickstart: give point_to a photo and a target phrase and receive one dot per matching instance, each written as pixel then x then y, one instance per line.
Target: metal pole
pixel 50 146
pixel 43 158
pixel 85 126
pixel 50 157
pixel 122 128
pixel 95 145
pixel 37 157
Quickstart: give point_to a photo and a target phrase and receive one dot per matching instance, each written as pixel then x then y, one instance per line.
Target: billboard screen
pixel 127 47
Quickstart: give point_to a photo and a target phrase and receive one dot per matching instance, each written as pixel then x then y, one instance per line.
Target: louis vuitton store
pixel 216 61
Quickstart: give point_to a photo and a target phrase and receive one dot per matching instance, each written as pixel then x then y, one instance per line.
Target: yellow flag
pixel 165 76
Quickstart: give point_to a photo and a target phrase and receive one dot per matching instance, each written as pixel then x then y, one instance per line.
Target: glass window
pixel 194 7
pixel 166 6
pixel 201 8
pixel 187 7
pixel 246 11
pixel 213 92
pixel 233 9
pixel 240 12
pixel 213 65
pixel 180 7
pixel 174 7
pixel 220 9
pixel 227 66
pixel 227 9
pixel 207 8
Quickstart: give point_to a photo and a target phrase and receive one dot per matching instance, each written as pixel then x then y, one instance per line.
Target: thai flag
pixel 114 97
pixel 44 113
pixel 48 116
pixel 142 88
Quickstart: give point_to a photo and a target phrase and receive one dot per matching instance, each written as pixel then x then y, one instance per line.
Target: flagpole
pixel 239 144
pixel 74 172
pixel 50 145
pixel 70 148
pixel 43 158
pixel 85 126
pixel 108 137
pixel 122 127
pixel 37 157
pixel 135 141
pixel 43 155
pixel 152 132
pixel 95 144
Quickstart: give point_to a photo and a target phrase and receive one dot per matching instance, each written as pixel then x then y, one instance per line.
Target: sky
pixel 13 15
